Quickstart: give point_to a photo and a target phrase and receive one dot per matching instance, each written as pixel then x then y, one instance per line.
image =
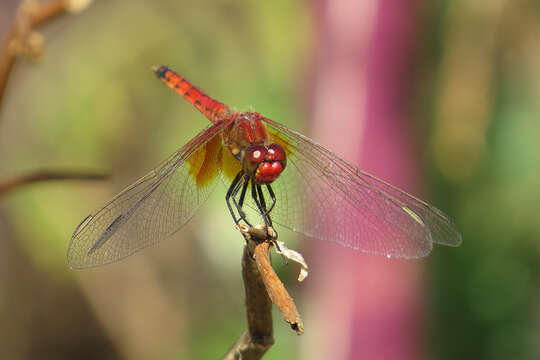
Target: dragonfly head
pixel 265 163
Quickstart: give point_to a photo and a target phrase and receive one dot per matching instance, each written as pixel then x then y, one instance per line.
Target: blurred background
pixel 437 97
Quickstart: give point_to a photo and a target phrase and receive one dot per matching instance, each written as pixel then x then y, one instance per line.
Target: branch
pixel 21 38
pixel 253 343
pixel 263 287
pixel 275 288
pixel 47 175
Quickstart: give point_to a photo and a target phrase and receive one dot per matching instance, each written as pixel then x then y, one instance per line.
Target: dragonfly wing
pixel 325 197
pixel 154 207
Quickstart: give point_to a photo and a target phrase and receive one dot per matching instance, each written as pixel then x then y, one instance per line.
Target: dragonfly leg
pixel 240 204
pixel 258 197
pixel 255 195
pixel 233 189
pixel 263 205
pixel 241 181
pixel 272 196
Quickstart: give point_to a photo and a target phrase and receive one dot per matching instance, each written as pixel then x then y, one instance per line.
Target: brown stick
pixel 253 343
pixel 263 287
pixel 275 288
pixel 10 184
pixel 29 16
pixel 261 239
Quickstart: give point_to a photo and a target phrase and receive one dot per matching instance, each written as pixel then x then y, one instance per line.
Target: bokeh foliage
pixel 92 102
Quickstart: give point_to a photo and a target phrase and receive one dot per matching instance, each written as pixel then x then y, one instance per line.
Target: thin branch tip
pixel 48 175
pixel 23 40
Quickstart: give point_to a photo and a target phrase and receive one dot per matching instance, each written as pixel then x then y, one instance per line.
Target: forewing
pixel 152 208
pixel 326 197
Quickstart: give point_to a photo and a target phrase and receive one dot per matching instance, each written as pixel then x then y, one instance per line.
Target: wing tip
pixel 458 240
pixel 448 236
pixel 73 264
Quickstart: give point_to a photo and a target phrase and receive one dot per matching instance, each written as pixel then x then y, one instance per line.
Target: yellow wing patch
pixel 229 164
pixel 204 164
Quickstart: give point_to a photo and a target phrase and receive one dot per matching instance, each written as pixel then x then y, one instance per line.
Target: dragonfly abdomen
pixel 212 109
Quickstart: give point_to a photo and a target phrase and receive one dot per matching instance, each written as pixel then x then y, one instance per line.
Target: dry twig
pixel 261 240
pixel 253 343
pixel 275 288
pixel 39 176
pixel 21 38
pixel 262 286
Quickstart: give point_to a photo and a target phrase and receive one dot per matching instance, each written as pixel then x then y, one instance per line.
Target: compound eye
pixel 255 153
pixel 275 153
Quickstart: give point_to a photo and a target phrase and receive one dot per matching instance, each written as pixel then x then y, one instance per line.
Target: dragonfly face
pixel 264 163
pixel 248 141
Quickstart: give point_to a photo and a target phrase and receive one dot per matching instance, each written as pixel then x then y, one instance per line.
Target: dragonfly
pixel 286 177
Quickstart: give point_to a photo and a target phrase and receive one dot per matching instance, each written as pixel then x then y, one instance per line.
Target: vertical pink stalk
pixel 365 307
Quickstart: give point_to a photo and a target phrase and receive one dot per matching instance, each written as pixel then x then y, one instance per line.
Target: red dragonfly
pixel 301 184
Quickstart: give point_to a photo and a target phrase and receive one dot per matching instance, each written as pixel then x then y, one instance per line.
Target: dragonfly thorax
pixel 248 141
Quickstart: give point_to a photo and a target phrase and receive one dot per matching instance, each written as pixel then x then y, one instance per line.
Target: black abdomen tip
pixel 160 71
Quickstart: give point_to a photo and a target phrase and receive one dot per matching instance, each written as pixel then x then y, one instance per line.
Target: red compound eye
pixel 271 169
pixel 268 172
pixel 276 153
pixel 256 153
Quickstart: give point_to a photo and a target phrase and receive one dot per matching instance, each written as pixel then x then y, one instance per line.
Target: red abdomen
pixel 212 109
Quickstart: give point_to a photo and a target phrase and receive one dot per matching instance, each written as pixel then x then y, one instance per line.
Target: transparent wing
pixel 325 197
pixel 152 208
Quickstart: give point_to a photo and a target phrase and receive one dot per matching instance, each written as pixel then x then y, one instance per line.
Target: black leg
pixel 256 193
pixel 243 194
pixel 267 218
pixel 240 204
pixel 240 181
pixel 233 189
pixel 272 196
pixel 263 205
pixel 261 198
